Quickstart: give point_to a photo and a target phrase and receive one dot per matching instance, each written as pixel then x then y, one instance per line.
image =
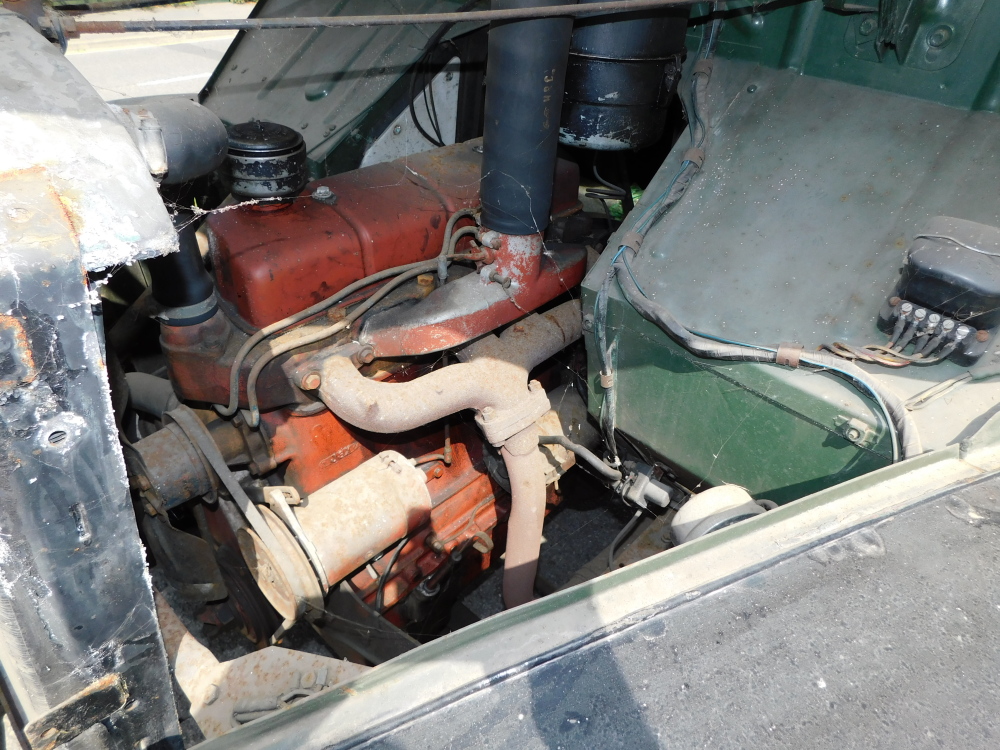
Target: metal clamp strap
pixel 703 66
pixel 788 354
pixel 695 155
pixel 632 239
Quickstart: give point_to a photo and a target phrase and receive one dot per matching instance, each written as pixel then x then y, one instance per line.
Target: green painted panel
pixel 778 432
pixel 950 53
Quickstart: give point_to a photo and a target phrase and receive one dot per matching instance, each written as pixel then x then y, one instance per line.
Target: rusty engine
pixel 352 416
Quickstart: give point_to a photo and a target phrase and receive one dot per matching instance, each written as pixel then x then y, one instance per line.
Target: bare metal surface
pixel 52 121
pixel 227 694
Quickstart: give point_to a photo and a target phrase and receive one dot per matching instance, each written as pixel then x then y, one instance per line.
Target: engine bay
pixel 641 267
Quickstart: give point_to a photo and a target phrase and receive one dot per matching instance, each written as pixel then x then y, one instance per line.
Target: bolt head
pixel 425 279
pixel 311 381
pixel 211 695
pixel 867 26
pixel 397 130
pixel 939 37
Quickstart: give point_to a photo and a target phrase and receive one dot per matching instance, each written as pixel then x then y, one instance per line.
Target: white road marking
pixel 176 80
pixel 94 46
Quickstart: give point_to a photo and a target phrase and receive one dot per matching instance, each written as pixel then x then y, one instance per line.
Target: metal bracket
pixel 855 430
pixel 74 716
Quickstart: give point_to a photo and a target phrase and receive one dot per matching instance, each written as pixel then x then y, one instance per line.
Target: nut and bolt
pixel 947 324
pixel 397 130
pixel 503 281
pixel 323 193
pixel 438 472
pixel 588 322
pixel 906 308
pixel 425 279
pixel 853 434
pixel 211 694
pixel 432 541
pixel 311 381
pixel 940 36
pixel 366 355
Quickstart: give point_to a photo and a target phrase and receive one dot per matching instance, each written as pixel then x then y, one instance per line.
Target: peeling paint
pixel 52 119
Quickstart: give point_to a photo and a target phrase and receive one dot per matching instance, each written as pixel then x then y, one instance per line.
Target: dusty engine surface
pixel 356 492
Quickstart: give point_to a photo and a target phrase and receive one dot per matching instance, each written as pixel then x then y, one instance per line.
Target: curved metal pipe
pixel 526 470
pixel 492 379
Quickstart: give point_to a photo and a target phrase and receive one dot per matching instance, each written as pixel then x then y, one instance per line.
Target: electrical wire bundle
pixel 934 339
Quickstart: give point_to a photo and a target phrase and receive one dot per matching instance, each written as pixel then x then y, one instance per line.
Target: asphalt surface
pixel 149 64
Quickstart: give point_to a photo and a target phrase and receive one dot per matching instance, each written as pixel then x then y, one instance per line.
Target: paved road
pixel 146 64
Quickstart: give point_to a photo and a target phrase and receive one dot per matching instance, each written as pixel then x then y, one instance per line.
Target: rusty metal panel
pixel 52 120
pixel 76 608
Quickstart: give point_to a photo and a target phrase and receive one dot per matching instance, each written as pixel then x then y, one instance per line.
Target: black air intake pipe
pixel 525 76
pixel 180 282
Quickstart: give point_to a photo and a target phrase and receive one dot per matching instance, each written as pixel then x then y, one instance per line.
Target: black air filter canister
pixel 525 73
pixel 266 160
pixel 623 71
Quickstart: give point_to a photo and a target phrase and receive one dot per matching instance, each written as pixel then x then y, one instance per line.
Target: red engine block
pixel 273 261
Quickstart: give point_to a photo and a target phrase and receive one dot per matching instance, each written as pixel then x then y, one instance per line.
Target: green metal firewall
pixel 826 154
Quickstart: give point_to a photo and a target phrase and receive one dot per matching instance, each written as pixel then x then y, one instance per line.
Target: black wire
pixel 419 71
pixel 385 574
pixel 627 529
